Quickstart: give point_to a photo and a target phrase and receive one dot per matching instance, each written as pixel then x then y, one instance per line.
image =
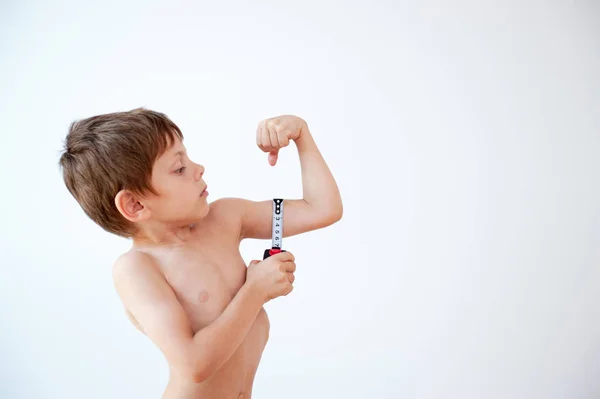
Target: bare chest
pixel 205 279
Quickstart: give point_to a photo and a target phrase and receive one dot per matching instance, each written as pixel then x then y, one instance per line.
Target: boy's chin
pixel 202 213
pixel 189 218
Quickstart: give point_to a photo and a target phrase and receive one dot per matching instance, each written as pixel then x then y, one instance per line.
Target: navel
pixel 203 296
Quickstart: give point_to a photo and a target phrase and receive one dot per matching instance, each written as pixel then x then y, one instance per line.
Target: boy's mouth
pixel 204 192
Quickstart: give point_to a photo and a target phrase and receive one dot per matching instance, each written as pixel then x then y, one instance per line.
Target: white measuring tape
pixel 276 228
pixel 277 223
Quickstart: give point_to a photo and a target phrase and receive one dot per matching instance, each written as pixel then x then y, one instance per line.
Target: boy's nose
pixel 199 172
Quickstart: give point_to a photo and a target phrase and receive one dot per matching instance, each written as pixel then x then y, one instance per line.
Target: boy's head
pixel 129 170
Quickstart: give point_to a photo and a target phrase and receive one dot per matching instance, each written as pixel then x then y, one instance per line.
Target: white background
pixel 464 136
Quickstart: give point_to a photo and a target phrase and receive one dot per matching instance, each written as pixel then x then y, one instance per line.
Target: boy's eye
pixel 180 170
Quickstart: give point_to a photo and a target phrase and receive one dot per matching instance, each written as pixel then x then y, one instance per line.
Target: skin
pixel 184 283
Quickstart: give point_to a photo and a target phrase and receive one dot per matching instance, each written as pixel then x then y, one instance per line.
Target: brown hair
pixel 107 153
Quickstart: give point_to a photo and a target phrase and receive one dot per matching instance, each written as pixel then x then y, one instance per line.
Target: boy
pixel 184 283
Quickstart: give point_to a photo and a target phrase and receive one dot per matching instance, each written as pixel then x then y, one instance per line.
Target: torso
pixel 205 276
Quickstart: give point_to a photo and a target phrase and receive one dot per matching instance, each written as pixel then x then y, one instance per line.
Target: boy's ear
pixel 130 206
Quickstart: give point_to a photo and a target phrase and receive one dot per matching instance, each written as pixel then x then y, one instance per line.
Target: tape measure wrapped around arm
pixel 277 229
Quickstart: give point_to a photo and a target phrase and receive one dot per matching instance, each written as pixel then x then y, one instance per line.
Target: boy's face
pixel 181 198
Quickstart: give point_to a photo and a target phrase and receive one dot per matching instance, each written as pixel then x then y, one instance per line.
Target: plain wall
pixel 465 139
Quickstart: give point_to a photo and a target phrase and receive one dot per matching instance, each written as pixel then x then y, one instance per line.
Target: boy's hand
pixel 272 277
pixel 275 133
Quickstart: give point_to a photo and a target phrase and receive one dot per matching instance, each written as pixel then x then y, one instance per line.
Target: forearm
pixel 319 187
pixel 214 344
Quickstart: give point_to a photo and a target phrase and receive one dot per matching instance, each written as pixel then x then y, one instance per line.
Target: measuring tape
pixel 277 229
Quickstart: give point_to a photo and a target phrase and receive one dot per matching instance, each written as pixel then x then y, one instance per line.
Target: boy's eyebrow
pixel 176 155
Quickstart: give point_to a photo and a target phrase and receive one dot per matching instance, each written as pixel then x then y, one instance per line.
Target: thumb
pixel 273 157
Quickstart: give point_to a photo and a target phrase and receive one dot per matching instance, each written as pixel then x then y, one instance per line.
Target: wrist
pixel 304 138
pixel 303 129
pixel 252 294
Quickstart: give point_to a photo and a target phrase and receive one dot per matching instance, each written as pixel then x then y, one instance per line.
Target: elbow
pixel 202 371
pixel 336 213
pixel 196 370
pixel 198 374
pixel 331 217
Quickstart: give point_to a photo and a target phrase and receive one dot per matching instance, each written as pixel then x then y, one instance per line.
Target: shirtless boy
pixel 184 283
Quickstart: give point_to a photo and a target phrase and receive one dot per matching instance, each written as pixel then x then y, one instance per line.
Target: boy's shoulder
pixel 229 205
pixel 226 203
pixel 228 212
pixel 133 263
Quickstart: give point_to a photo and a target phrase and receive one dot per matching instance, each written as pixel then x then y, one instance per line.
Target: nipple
pixel 203 296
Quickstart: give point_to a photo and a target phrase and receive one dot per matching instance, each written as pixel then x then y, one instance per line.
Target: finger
pixel 273 155
pixel 274 137
pixel 284 140
pixel 285 256
pixel 287 267
pixel 254 262
pixel 289 289
pixel 266 140
pixel 259 137
pixel 272 158
pixel 291 278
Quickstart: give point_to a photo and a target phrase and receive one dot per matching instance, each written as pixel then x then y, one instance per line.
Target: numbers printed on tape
pixel 277 222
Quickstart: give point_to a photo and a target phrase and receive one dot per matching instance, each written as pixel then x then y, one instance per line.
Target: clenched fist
pixel 275 133
pixel 272 277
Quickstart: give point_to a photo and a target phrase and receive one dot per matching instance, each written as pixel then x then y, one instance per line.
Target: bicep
pixel 146 294
pixel 257 218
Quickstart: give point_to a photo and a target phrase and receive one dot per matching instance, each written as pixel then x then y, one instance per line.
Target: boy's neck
pixel 160 236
